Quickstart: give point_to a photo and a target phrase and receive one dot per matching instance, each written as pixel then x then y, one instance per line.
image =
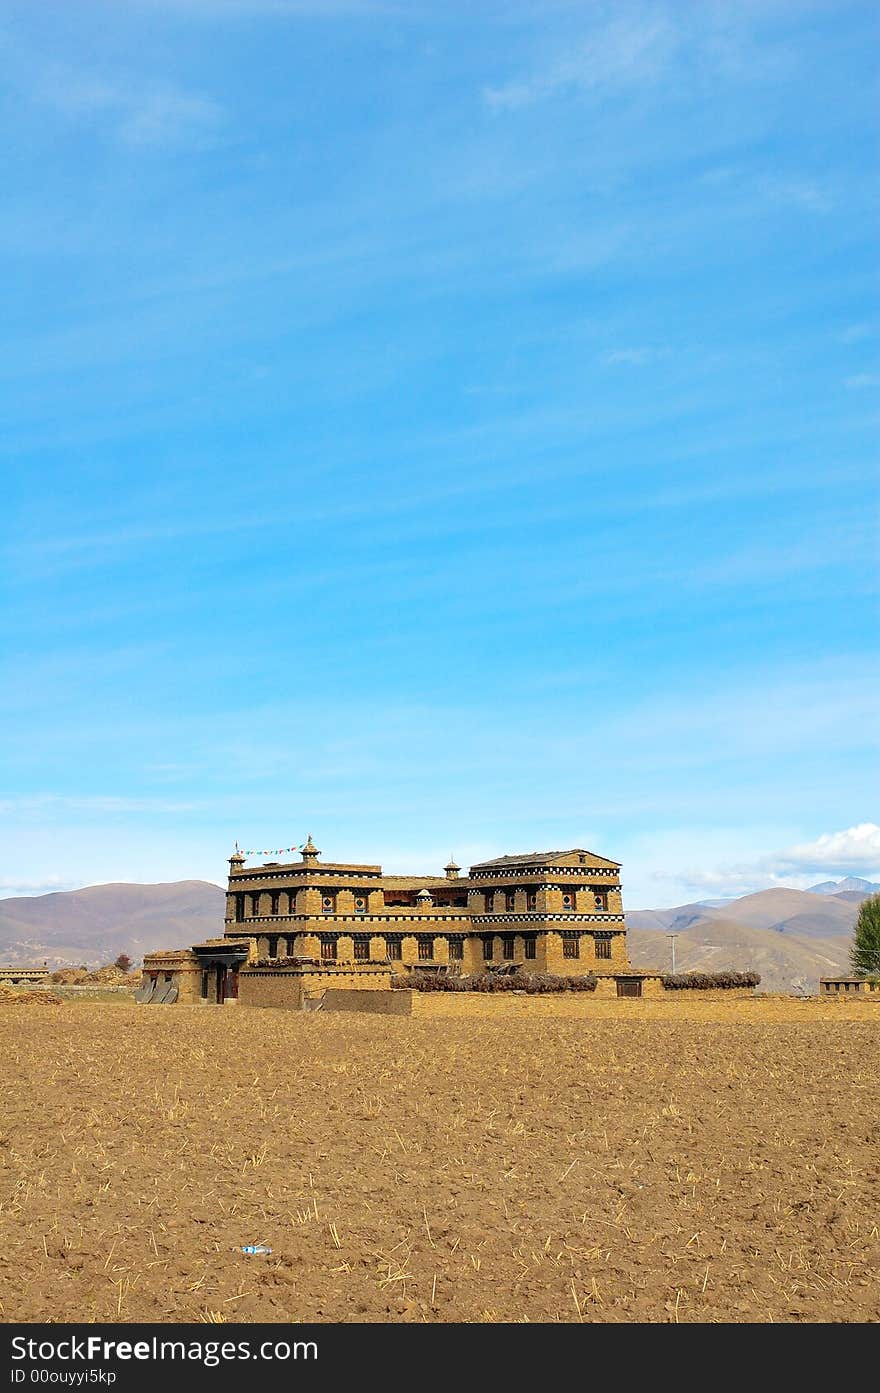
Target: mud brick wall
pixel 382 1002
pixel 281 989
pixel 289 987
pixel 512 1005
pixel 185 972
pixel 716 994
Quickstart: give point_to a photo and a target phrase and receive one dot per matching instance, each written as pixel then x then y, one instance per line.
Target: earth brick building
pixel 350 924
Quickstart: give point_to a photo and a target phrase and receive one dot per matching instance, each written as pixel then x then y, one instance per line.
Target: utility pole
pixel 672 938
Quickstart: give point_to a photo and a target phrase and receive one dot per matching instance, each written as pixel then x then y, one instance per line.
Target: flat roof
pixel 542 858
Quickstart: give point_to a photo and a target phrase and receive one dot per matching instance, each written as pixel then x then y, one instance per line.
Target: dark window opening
pixel 360 904
pixel 507 945
pixel 361 950
pixel 456 950
pixel 488 949
pixel 531 946
pixel 239 908
pixel 510 900
pixel 568 899
pixel 532 900
pixel 393 949
pixel 204 986
pixel 571 947
pixel 426 949
pixel 601 899
pixel 255 906
pixel 603 947
pixel 328 904
pixel 328 949
pixel 276 900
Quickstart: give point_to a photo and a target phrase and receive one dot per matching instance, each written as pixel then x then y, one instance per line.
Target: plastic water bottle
pixel 255 1248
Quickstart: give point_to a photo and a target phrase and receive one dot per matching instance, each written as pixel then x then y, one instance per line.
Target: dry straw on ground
pixel 716 1161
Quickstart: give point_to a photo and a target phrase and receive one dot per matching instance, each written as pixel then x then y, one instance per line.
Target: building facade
pixel 852 986
pixel 542 911
pixel 552 911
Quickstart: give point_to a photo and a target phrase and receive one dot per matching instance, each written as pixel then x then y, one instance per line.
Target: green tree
pixel 865 951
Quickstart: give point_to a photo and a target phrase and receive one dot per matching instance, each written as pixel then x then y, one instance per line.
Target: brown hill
pixel 786 963
pixel 94 925
pixel 664 920
pixel 797 911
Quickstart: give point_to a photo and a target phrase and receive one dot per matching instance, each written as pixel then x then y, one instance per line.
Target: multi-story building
pixel 558 911
pixel 542 911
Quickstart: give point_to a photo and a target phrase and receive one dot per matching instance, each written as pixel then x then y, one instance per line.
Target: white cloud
pixel 852 851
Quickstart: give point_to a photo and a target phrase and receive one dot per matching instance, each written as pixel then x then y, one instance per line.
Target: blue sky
pixel 440 427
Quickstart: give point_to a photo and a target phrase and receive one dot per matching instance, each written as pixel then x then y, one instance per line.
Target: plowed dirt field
pixel 716 1161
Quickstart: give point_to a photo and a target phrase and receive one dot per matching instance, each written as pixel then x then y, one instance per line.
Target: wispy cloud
pixel 290 9
pixel 46 886
pixel 628 357
pixel 139 110
pixel 800 193
pixel 633 45
pixel 787 189
pixel 857 333
pixel 42 803
pixel 140 113
pixel 630 49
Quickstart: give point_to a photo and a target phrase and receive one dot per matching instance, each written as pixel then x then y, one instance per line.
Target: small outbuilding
pixel 850 986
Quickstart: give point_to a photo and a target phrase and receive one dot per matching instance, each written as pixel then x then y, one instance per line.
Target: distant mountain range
pixel 851 885
pixel 792 937
pixel 93 926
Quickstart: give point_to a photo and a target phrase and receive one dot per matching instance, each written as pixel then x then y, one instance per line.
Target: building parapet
pixel 539 917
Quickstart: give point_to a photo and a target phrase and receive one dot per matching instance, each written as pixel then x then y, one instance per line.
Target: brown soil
pixel 101 976
pixel 34 996
pixel 716 1162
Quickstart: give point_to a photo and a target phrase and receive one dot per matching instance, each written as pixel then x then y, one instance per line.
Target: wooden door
pixel 629 986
